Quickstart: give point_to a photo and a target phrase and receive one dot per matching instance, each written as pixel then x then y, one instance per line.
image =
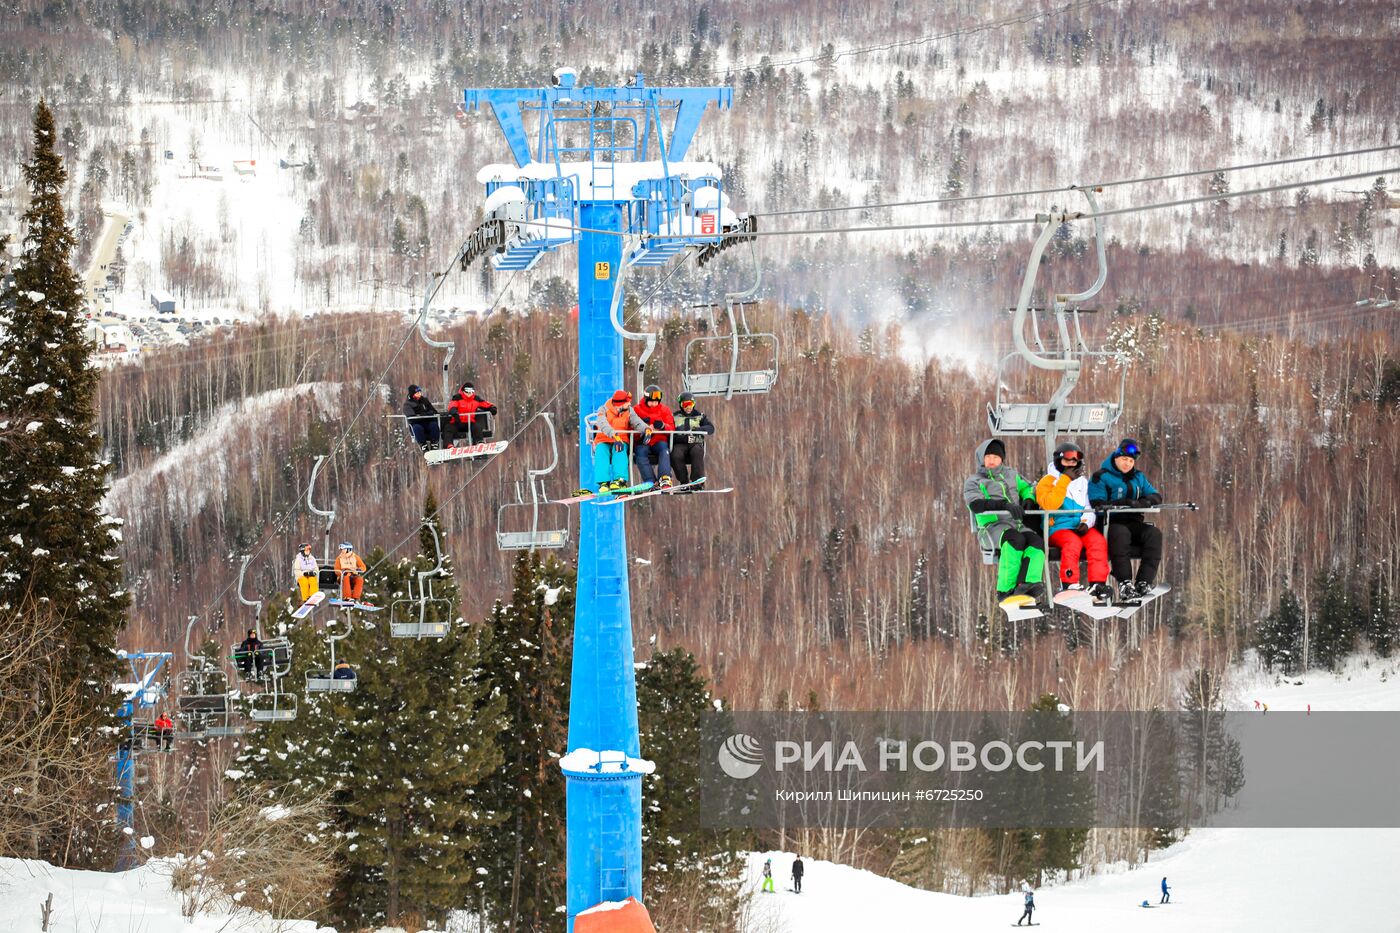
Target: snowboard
pixel 1133 607
pixel 1082 602
pixel 1019 608
pixel 350 603
pixel 654 491
pixel 613 494
pixel 312 601
pixel 471 452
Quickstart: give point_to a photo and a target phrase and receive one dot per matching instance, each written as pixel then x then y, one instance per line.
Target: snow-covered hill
pixel 1236 880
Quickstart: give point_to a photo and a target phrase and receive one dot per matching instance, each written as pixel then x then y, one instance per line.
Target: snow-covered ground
pixel 1292 880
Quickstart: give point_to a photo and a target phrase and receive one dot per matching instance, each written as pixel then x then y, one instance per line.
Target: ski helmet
pixel 653 393
pixel 303 547
pixel 686 397
pixel 1067 448
pixel 346 546
pixel 1128 447
pixel 468 389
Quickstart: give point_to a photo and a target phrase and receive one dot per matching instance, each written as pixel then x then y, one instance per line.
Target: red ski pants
pixel 1072 546
pixel 352 586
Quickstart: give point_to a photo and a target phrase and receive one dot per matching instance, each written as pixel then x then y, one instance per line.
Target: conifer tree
pixel 57 548
pixel 1280 637
pixel 520 869
pixel 1212 759
pixel 1380 618
pixel 1334 622
pixel 403 757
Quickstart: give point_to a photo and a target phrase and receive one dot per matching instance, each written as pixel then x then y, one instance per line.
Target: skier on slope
pixel 1119 483
pixel 424 421
pixel 688 451
pixel 616 423
pixel 352 573
pixel 798 869
pixel 654 454
pixel 998 488
pixel 768 877
pixel 1029 901
pixel 307 572
pixel 464 416
pixel 1166 892
pixel 1065 489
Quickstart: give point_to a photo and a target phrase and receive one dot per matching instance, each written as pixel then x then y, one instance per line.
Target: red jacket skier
pixel 462 415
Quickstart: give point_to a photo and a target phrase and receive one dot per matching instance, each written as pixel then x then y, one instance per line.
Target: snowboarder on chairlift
pixel 250 655
pixel 307 571
pixel 462 416
pixel 343 671
pixel 997 488
pixel 616 423
pixel 654 454
pixel 352 572
pixel 165 730
pixel 1119 483
pixel 1065 489
pixel 1029 901
pixel 424 421
pixel 688 451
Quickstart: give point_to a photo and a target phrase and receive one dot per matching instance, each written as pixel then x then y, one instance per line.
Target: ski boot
pixel 1129 594
pixel 666 482
pixel 1102 593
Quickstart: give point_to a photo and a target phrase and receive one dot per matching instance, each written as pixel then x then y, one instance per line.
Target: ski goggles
pixel 1128 449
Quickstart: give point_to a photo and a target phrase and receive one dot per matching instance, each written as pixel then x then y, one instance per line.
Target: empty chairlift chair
pixel 548 522
pixel 408 617
pixel 701 377
pixel 323 680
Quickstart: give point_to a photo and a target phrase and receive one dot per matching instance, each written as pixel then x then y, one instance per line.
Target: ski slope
pixel 1237 880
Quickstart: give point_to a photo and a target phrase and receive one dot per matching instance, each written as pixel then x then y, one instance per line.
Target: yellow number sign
pixel 602 270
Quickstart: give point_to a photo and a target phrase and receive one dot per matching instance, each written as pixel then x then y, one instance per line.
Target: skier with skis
pixel 1029 896
pixel 688 451
pixel 616 422
pixel 1166 892
pixel 768 877
pixel 797 871
pixel 464 416
pixel 998 497
pixel 352 573
pixel 1119 484
pixel 423 419
pixel 653 455
pixel 1065 490
pixel 307 572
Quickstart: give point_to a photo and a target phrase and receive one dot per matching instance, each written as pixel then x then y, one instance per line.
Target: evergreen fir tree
pixel 1212 760
pixel 1380 618
pixel 1334 622
pixel 403 757
pixel 56 545
pixel 1280 637
pixel 690 871
pixel 520 869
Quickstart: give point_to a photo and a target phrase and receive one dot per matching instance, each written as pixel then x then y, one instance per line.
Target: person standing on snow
pixel 307 572
pixel 998 488
pixel 1029 896
pixel 1065 489
pixel 768 877
pixel 464 416
pixel 1119 483
pixel 654 454
pixel 688 451
pixel 616 422
pixel 423 419
pixel 352 573
pixel 797 871
pixel 1166 892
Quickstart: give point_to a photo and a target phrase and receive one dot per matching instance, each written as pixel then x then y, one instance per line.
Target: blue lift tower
pixel 606 169
pixel 142 692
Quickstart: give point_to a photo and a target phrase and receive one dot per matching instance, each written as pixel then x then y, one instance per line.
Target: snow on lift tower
pixel 1068 356
pixel 535 536
pixel 408 617
pixel 605 168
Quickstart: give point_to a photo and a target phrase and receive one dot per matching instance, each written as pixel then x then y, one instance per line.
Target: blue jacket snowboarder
pixel 1030 906
pixel 1119 483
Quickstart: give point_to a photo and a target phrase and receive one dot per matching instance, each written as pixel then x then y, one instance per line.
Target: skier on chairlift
pixel 998 496
pixel 424 421
pixel 307 572
pixel 250 655
pixel 654 453
pixel 1065 489
pixel 343 671
pixel 352 573
pixel 688 451
pixel 616 424
pixel 462 416
pixel 1119 484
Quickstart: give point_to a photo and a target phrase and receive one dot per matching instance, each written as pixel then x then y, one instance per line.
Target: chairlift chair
pixel 1056 416
pixel 408 617
pixel 324 680
pixel 549 536
pixel 733 381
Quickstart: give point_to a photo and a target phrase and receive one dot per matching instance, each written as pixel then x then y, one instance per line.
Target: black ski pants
pixel 1125 535
pixel 688 462
pixel 1026 916
pixel 475 429
pixel 796 884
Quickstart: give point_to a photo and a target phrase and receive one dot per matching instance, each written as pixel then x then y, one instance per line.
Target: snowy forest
pixel 292 175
